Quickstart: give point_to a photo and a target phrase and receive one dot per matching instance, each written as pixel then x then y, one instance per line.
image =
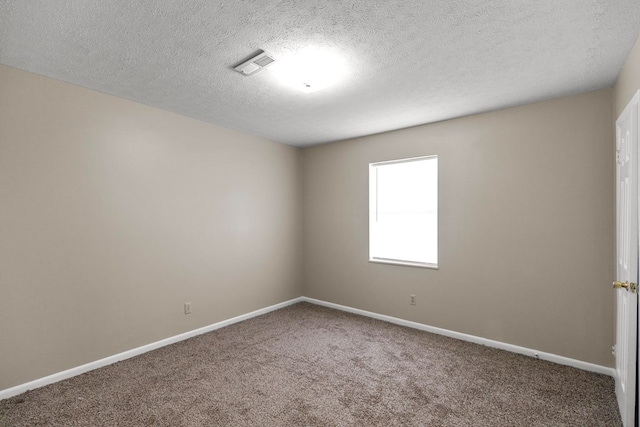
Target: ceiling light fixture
pixel 311 69
pixel 255 64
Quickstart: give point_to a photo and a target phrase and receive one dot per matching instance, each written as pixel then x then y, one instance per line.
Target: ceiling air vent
pixel 255 64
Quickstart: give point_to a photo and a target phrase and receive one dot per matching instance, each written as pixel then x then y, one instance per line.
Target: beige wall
pixel 113 214
pixel 526 227
pixel 629 80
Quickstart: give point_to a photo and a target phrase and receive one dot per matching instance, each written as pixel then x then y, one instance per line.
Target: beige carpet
pixel 306 365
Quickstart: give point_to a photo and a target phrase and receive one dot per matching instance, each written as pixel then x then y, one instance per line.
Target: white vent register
pixel 255 64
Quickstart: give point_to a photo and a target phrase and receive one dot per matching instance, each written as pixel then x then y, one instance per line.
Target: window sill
pixel 404 263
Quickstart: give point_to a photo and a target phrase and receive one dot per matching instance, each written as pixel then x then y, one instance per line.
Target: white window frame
pixel 373 215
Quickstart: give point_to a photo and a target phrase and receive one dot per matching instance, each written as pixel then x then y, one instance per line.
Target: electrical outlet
pixel 187 308
pixel 412 299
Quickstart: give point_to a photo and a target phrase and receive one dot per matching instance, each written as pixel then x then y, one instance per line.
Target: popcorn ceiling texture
pixel 411 62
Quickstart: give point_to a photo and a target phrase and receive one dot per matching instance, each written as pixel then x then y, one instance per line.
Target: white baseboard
pixel 50 379
pixel 561 360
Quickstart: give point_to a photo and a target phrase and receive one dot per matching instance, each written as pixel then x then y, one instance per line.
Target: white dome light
pixel 311 69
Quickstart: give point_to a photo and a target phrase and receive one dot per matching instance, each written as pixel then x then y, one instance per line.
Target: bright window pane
pixel 403 222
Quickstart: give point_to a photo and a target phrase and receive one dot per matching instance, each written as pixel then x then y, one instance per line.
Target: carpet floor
pixel 306 365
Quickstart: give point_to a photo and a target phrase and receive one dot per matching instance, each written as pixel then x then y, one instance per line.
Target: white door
pixel 627 260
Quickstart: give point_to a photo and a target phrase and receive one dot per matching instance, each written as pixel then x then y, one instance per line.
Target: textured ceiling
pixel 408 62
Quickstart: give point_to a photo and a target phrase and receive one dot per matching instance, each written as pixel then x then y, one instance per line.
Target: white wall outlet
pixel 412 299
pixel 187 308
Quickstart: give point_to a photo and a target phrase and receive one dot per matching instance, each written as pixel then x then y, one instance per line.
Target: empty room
pixel 319 213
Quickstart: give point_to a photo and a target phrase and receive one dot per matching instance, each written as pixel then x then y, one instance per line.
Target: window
pixel 403 212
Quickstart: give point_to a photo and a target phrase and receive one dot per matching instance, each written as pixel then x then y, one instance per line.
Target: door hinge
pixel 617 157
pixel 613 350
